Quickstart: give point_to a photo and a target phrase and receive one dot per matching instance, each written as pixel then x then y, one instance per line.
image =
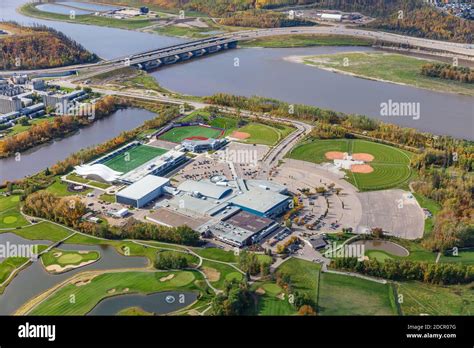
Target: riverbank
pixel 384 67
pixel 289 41
pixel 30 10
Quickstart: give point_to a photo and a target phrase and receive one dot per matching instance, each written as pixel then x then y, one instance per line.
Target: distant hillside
pixel 428 23
pixel 419 19
pixel 38 47
pixel 374 8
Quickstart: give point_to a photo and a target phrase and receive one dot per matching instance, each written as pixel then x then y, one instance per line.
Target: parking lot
pixel 203 167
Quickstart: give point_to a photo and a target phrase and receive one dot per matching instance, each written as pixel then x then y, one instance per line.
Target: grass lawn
pixel 305 41
pixel 389 67
pixel 77 178
pixel 432 206
pixel 8 265
pixel 421 298
pixel 43 231
pixel 379 255
pixel 216 254
pixel 218 273
pixel 133 158
pixel 263 134
pixel 466 257
pixel 344 295
pixel 12 218
pixel 178 134
pixel 59 188
pixel 8 202
pixel 134 311
pixel 68 257
pixel 269 303
pixel 304 275
pixel 107 198
pixel 417 252
pixel 90 294
pixel 391 165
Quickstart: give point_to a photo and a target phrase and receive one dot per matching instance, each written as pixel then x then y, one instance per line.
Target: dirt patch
pixel 240 135
pixel 332 155
pixel 197 137
pixel 361 168
pixel 194 312
pixel 212 274
pixel 168 277
pixel 366 157
pixel 80 281
pixel 260 291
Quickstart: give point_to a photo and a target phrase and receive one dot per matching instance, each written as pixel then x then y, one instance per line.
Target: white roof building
pixel 97 172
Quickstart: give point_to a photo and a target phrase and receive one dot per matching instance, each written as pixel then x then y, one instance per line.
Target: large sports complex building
pixel 238 212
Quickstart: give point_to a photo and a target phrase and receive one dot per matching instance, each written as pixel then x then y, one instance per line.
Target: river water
pixel 38 158
pixel 261 72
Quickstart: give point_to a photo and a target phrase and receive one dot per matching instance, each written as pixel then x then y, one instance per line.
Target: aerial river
pixel 261 72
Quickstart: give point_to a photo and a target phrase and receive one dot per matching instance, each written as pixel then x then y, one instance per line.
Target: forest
pixel 69 211
pixel 46 130
pixel 428 23
pixel 444 165
pixel 262 19
pixel 441 273
pixel 448 72
pixel 39 47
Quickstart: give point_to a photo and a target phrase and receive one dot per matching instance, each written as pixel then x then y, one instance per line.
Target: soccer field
pixel 178 134
pixel 134 158
pixel 391 166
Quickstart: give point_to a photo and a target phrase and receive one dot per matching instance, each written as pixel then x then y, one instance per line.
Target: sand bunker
pixel 281 296
pixel 332 155
pixel 240 135
pixel 168 277
pixel 260 291
pixel 111 291
pixel 361 168
pixel 366 157
pixel 57 254
pixel 212 274
pixel 84 280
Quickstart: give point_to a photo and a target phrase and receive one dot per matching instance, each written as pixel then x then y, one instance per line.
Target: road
pixel 462 51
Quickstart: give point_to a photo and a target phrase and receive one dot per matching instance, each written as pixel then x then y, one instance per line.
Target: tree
pixel 377 232
pixel 306 310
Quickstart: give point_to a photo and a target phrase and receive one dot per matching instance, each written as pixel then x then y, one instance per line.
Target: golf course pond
pixel 385 246
pixel 34 279
pixel 156 303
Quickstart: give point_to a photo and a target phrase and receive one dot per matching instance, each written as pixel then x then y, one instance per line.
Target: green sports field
pixel 265 134
pixel 391 165
pixel 133 158
pixel 343 295
pixel 178 134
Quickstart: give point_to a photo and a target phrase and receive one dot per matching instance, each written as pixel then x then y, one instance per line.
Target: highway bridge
pixel 182 52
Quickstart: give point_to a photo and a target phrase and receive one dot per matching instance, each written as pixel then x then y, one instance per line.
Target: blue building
pixel 143 191
pixel 262 203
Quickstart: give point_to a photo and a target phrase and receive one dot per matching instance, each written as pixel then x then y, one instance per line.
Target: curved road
pixel 462 51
